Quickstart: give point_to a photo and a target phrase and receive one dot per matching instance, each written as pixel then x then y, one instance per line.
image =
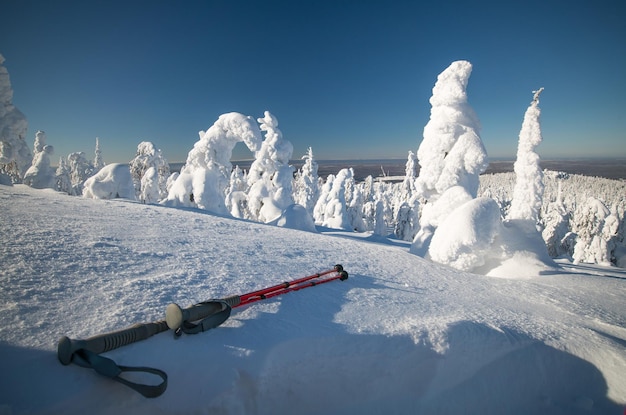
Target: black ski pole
pixel 86 353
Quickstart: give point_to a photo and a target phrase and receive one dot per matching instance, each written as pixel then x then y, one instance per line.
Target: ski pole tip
pixel 343 275
pixel 338 267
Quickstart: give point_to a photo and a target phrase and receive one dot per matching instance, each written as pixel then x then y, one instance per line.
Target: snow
pixel 402 335
pixel 112 181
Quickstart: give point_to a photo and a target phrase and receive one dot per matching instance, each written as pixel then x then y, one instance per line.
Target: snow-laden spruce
pixel 149 161
pixel 306 183
pixel 451 155
pixel 270 187
pixel 205 176
pixel 528 191
pixel 113 181
pixel 15 155
pixel 40 174
pixel 98 161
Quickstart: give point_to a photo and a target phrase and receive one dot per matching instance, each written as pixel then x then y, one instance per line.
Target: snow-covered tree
pixel 203 180
pixel 556 226
pixel 111 182
pixel 381 225
pixel 451 155
pixel 98 162
pixel 306 189
pixel 408 184
pixel 80 170
pixel 406 222
pixel 15 155
pixel 63 179
pixel 150 191
pixel 596 229
pixel 355 209
pixel 236 199
pixel 335 214
pixel 40 175
pixel 528 191
pixel 40 142
pixel 270 180
pixel 320 206
pixel 148 156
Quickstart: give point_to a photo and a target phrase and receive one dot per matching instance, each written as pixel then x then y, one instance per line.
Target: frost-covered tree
pixel 596 229
pixel 556 228
pixel 306 189
pixel 63 179
pixel 40 142
pixel 381 225
pixel 528 191
pixel 111 182
pixel 203 180
pixel 15 155
pixel 270 180
pixel 148 156
pixel 80 170
pixel 150 191
pixel 451 155
pixel 98 162
pixel 40 175
pixel 355 209
pixel 406 222
pixel 319 210
pixel 236 199
pixel 408 184
pixel 335 214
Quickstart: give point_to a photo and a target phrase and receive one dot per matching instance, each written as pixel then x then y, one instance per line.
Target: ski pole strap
pixel 107 367
pixel 219 316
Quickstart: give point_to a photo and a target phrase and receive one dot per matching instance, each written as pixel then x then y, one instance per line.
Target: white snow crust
pixel 402 335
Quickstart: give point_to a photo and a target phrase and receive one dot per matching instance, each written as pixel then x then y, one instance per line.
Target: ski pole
pixel 86 353
pixel 214 312
pixel 262 294
pixel 341 276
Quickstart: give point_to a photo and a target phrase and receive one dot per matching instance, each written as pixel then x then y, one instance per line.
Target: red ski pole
pixel 263 293
pixel 342 275
pixel 211 314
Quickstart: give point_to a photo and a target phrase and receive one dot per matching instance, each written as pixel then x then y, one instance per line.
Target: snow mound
pixel 465 239
pixel 113 181
pixel 519 252
pixel 296 217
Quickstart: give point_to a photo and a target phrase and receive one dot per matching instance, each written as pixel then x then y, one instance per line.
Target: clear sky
pixel 351 79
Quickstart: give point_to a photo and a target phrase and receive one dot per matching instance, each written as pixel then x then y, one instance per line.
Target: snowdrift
pixel 401 336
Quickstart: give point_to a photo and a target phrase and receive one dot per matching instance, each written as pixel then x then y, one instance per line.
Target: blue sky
pixel 351 79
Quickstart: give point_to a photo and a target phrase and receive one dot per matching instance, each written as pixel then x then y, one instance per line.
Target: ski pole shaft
pixel 341 276
pixel 213 312
pixel 108 341
pixel 262 292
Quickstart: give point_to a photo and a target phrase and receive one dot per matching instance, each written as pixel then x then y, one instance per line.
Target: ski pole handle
pixel 176 316
pixel 108 341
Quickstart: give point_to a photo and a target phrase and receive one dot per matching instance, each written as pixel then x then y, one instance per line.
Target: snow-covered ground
pixel 401 336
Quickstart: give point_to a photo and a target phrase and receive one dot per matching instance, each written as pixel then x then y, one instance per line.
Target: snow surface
pixel 402 335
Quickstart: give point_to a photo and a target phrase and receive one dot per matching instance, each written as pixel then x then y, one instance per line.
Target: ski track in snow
pixel 401 335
